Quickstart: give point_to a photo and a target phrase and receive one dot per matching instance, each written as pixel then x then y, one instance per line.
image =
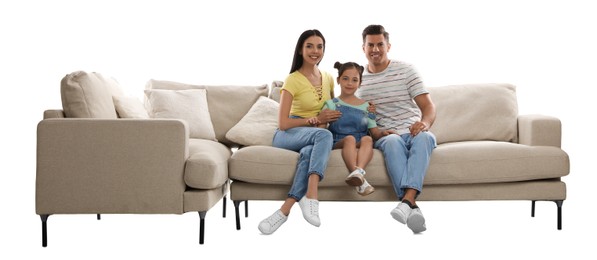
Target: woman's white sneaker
pixel 272 223
pixel 310 209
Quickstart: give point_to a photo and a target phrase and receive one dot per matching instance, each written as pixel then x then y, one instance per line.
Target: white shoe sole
pixel 416 223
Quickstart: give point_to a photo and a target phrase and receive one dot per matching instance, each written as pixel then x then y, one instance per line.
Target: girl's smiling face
pixel 349 81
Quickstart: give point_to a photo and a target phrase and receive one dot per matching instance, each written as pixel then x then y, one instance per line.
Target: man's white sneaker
pixel 365 189
pixel 272 223
pixel 401 212
pixel 356 177
pixel 416 221
pixel 310 209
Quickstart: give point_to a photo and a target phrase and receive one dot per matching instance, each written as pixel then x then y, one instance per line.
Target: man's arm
pixel 427 114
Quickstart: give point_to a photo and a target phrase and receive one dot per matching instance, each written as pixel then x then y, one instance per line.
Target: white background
pixel 545 48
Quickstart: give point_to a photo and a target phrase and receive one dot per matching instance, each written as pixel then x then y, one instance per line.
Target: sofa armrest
pixel 539 130
pixel 54 113
pixel 110 165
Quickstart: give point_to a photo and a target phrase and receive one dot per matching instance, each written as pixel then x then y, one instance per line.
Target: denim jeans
pixel 314 146
pixel 407 159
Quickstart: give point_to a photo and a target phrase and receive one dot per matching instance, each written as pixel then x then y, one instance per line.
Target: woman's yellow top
pixel 307 100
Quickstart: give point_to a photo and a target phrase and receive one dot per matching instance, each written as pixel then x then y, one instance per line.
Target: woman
pixel 302 96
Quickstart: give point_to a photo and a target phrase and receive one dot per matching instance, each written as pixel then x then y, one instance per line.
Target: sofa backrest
pixel 468 112
pixel 227 104
pixel 474 112
pixel 89 95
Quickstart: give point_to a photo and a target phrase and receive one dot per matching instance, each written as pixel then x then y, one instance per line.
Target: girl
pixel 350 131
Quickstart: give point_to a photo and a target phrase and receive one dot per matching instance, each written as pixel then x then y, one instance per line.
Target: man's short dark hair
pixel 376 29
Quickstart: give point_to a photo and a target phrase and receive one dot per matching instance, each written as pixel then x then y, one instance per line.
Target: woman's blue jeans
pixel 314 146
pixel 407 159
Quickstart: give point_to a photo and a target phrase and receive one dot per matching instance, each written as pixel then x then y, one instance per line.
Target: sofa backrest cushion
pixel 475 112
pixel 188 104
pixel 89 95
pixel 275 90
pixel 227 104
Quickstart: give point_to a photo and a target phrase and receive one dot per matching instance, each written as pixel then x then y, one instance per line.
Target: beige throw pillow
pixel 257 127
pixel 129 107
pixel 189 105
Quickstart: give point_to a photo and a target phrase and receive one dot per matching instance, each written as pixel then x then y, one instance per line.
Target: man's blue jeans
pixel 314 145
pixel 407 159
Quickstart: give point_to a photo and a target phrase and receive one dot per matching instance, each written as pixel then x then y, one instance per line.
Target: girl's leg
pixel 364 156
pixel 349 152
pixel 365 153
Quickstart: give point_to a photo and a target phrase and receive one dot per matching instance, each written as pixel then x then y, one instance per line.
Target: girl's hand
pixel 313 121
pixel 388 132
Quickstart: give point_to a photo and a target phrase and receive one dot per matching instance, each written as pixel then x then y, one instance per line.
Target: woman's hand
pixel 327 115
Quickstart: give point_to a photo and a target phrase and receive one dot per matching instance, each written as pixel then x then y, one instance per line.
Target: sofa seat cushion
pixel 451 163
pixel 493 162
pixel 207 165
pixel 271 165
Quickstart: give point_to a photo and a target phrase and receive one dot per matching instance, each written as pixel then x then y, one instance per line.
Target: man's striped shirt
pixel 392 92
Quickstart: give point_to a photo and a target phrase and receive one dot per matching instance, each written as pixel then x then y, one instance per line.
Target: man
pixel 403 105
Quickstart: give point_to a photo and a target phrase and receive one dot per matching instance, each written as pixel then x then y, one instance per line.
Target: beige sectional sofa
pixel 185 147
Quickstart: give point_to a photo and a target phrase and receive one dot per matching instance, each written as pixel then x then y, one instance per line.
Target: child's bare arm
pixel 377 133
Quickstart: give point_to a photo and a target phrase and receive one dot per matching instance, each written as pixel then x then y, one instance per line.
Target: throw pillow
pixel 129 107
pixel 257 127
pixel 227 103
pixel 189 105
pixel 88 95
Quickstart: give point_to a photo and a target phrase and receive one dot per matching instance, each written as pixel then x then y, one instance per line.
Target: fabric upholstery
pixel 207 165
pixel 451 163
pixel 475 112
pixel 129 107
pixel 189 105
pixel 89 95
pixel 227 103
pixel 110 166
pixel 257 127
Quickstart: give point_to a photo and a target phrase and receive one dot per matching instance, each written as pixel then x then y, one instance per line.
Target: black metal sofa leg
pixel 224 207
pixel 44 230
pixel 202 226
pixel 558 204
pixel 237 211
pixel 246 208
